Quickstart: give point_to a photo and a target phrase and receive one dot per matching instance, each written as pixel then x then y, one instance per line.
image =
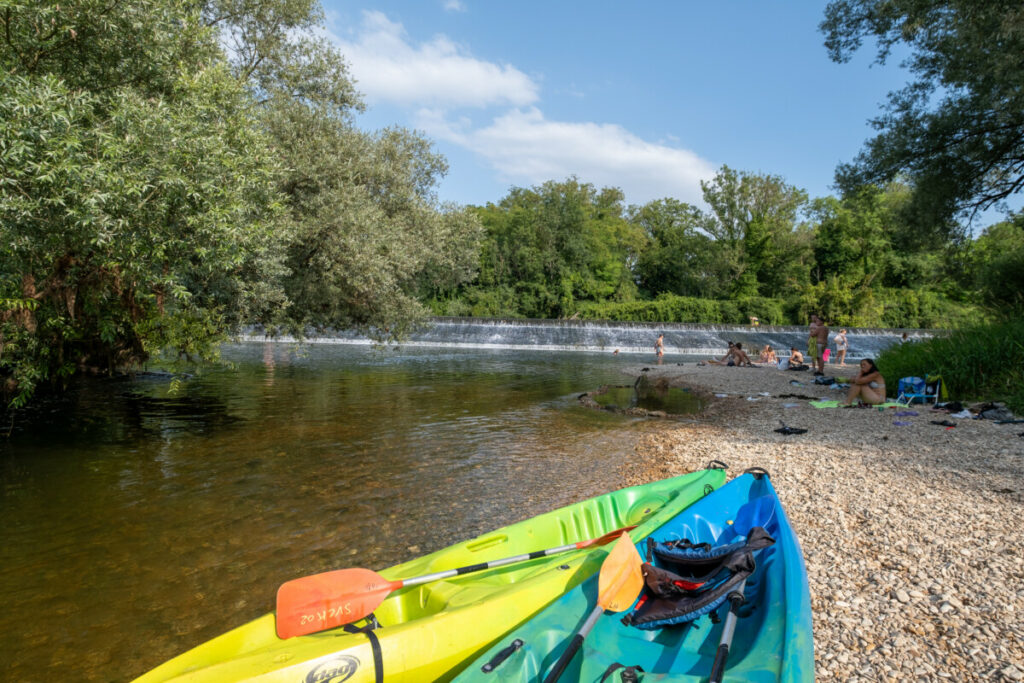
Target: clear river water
pixel 143 516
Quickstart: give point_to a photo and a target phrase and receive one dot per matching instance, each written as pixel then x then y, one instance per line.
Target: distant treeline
pixel 762 249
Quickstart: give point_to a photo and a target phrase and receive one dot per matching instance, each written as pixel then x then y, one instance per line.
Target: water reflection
pixel 140 521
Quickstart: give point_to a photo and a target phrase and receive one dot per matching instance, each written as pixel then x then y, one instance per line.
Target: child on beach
pixel 842 345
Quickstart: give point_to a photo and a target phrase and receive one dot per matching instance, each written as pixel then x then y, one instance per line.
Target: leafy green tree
pixel 852 238
pixel 172 171
pixel 680 257
pixel 137 199
pixel 957 131
pixel 553 246
pixel 998 265
pixel 756 223
pixel 366 237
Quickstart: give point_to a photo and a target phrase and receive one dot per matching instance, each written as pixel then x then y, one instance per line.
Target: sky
pixel 650 97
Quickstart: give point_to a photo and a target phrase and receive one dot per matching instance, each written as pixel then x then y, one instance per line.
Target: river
pixel 144 516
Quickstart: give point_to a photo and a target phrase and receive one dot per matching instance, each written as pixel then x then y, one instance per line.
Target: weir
pixel 687 339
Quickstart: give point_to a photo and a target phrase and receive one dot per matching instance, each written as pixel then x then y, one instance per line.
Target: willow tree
pixel 137 194
pixel 172 171
pixel 365 234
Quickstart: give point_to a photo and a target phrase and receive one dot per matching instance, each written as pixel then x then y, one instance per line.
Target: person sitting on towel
pixel 868 385
pixel 734 356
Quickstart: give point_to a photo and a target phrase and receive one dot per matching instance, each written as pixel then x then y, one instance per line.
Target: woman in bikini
pixel 868 385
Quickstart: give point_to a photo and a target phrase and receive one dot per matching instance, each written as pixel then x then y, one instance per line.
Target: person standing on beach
pixel 842 346
pixel 817 340
pixel 659 346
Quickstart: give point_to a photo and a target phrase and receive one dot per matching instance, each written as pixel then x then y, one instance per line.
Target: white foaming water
pixel 687 339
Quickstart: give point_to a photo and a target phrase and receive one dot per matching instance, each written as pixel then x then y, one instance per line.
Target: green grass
pixel 977 363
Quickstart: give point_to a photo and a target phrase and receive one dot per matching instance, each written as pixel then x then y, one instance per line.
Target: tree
pixel 137 197
pixel 366 237
pixel 172 171
pixel 680 257
pixel 998 260
pixel 957 131
pixel 551 246
pixel 755 221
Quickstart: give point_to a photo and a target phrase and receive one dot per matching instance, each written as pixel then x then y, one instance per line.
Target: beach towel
pixel 836 404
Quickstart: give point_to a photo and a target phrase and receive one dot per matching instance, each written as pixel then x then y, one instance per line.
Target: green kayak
pixel 426 632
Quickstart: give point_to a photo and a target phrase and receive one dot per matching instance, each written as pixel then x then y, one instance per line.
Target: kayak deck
pixel 773 639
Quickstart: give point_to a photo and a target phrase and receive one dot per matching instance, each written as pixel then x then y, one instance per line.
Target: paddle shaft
pixel 574 645
pixel 448 573
pixel 728 629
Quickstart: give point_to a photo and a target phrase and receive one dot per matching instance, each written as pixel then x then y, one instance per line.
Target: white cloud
pixel 454 6
pixel 527 149
pixel 387 67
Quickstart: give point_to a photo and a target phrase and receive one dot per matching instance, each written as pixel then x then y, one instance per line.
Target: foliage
pixel 956 131
pixel 682 309
pixel 366 237
pixel 754 219
pixel 172 171
pixel 550 247
pixel 980 362
pixel 998 265
pixel 137 198
pixel 679 256
pixel 838 306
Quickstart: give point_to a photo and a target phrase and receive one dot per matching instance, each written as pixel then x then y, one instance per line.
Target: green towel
pixel 825 404
pixel 835 404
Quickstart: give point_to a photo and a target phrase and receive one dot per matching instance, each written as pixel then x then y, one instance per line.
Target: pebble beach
pixel 911 532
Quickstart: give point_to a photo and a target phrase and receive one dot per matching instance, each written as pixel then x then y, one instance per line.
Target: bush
pixel 671 308
pixel 980 362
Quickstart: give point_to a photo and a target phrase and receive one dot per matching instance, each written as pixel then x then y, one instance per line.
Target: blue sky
pixel 650 97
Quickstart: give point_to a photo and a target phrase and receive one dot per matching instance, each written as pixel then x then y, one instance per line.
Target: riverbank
pixel 911 532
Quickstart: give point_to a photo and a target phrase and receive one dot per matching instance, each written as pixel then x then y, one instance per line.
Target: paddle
pixel 725 642
pixel 331 599
pixel 619 583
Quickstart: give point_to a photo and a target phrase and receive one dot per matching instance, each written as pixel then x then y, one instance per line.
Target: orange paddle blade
pixel 322 601
pixel 621 578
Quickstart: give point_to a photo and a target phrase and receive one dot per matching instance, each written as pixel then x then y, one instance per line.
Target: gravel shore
pixel 912 533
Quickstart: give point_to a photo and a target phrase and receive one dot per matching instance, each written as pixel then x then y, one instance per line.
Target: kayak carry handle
pixel 504 654
pixel 717 465
pixel 758 472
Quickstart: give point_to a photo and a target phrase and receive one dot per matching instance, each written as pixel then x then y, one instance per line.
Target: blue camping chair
pixel 930 388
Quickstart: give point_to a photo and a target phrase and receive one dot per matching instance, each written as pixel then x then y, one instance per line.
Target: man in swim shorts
pixel 817 341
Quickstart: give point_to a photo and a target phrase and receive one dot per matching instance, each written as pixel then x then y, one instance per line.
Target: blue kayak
pixel 772 638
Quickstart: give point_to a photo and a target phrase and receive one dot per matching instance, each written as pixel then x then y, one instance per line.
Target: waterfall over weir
pixel 687 339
